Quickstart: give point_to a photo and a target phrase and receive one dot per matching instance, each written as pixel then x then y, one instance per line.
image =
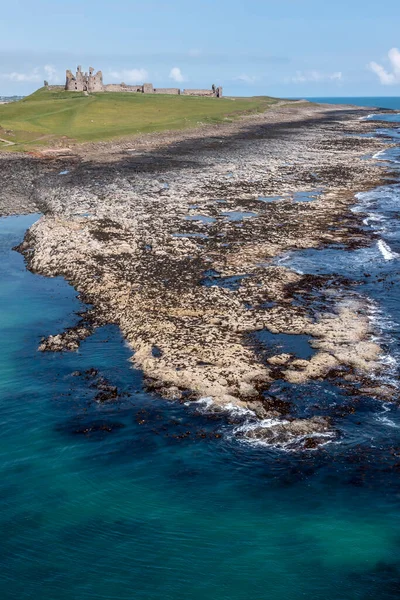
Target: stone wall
pixel 198 93
pixel 122 87
pixel 170 91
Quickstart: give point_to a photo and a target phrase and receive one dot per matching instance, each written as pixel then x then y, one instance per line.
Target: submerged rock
pixel 98 427
pixel 285 432
pixel 69 340
pixel 106 391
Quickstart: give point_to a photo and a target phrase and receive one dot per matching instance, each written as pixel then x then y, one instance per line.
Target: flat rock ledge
pixel 177 245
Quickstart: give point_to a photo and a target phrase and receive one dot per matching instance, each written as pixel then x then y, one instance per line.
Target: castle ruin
pixel 93 82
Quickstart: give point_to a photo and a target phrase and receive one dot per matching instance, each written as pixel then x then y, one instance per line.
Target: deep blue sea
pixel 146 499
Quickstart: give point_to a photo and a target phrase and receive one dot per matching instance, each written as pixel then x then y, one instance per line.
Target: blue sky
pixel 281 48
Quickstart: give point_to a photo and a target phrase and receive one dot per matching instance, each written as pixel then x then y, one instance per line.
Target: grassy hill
pixel 47 117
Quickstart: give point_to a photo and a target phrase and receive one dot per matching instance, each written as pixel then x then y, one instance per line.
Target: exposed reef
pixel 146 233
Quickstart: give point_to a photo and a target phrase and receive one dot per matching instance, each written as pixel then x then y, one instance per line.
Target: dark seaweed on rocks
pixel 187 305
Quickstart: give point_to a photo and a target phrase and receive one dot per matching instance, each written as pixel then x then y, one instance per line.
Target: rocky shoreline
pixel 175 239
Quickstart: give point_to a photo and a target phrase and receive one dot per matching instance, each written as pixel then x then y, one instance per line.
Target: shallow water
pixel 145 499
pixel 238 215
pixel 306 196
pixel 283 343
pixel 383 117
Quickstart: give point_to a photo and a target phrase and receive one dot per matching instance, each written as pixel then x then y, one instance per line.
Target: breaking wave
pixel 386 251
pixel 273 438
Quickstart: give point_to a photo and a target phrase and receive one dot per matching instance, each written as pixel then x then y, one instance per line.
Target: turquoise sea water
pixel 392 102
pixel 144 499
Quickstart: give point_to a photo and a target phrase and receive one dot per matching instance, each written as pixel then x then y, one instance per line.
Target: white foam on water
pixel 385 193
pixel 386 421
pixel 373 217
pixel 389 360
pixel 384 325
pixel 381 322
pixel 206 402
pixel 379 154
pixel 250 423
pixel 283 258
pixel 390 154
pixel 292 444
pixel 262 424
pixel 386 251
pixel 238 410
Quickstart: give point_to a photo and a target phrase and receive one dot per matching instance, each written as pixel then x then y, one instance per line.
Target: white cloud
pixel 33 75
pixel 36 75
pixel 338 76
pixel 388 77
pixel 246 78
pixel 51 73
pixel 177 75
pixel 130 75
pixel 315 76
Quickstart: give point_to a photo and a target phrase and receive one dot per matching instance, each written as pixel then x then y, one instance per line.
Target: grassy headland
pixel 50 117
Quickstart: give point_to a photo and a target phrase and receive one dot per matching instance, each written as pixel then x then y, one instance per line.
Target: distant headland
pixel 93 82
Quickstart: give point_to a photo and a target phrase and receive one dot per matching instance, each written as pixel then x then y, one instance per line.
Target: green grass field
pixel 46 117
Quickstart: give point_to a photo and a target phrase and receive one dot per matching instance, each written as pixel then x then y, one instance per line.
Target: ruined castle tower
pixel 83 82
pixel 95 81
